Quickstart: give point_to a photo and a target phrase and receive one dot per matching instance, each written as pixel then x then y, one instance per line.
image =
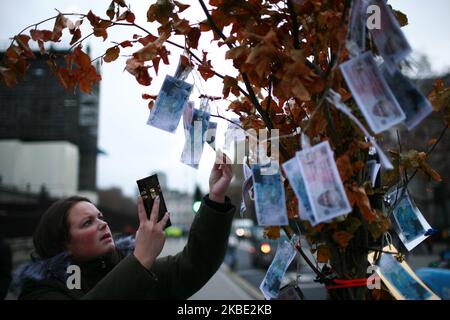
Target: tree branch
pixel 181 47
pixel 248 86
pixel 218 116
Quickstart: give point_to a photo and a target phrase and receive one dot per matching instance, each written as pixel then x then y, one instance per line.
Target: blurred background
pixel 55 143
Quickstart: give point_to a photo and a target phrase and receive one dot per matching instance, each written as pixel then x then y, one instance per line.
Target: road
pixel 243 282
pixel 254 275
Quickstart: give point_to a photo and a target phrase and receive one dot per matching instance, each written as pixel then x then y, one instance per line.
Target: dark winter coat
pixel 119 275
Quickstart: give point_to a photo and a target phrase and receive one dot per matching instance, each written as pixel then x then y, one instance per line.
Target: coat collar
pixel 56 267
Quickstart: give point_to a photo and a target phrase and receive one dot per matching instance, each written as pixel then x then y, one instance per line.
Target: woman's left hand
pixel 220 178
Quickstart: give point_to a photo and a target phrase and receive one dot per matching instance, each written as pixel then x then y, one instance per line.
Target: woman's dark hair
pixel 52 233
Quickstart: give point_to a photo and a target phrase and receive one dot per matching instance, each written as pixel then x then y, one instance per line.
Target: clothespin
pixel 430 232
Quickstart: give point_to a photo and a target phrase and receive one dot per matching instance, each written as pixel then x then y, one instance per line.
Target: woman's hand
pixel 220 178
pixel 150 236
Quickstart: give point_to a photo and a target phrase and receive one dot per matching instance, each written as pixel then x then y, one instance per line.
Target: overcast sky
pixel 134 149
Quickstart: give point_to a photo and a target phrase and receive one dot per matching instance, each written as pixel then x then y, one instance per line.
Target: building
pixel 33 166
pixel 39 109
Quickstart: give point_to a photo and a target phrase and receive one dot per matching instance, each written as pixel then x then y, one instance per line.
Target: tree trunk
pixel 350 263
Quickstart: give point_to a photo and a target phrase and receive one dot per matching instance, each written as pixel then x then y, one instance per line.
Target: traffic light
pixel 197 201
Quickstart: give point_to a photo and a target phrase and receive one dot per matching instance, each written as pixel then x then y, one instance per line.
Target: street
pixel 243 282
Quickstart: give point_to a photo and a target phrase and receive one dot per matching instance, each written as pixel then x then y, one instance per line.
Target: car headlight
pixel 265 248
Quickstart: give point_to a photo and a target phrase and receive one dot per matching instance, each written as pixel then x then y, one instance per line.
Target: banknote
pixel 408 221
pixel 195 136
pixel 399 278
pixel 356 36
pixel 168 108
pixel 270 286
pixel 371 92
pixel 323 184
pixel 389 38
pixel 413 103
pixel 292 170
pixel 270 203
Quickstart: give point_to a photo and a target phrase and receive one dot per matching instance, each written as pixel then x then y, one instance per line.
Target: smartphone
pixel 149 189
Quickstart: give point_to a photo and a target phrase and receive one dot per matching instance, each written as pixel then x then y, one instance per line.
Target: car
pixel 242 228
pixel 262 250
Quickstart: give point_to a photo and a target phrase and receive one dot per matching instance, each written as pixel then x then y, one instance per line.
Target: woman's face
pixel 90 236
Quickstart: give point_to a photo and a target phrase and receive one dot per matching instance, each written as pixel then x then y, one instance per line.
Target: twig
pixel 405 186
pixel 79 42
pixel 181 47
pixel 43 21
pixel 221 117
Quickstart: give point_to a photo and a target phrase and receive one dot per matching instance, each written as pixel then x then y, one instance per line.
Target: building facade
pixel 40 109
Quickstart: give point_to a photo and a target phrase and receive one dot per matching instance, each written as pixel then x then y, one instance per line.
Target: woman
pixel 72 235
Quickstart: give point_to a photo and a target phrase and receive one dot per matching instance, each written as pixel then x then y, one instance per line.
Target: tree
pixel 286 54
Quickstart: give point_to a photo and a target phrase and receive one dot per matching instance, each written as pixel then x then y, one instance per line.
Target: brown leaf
pixel 8 76
pixel 111 54
pixel 192 37
pixel 60 25
pixel 99 26
pixel 43 35
pixel 22 40
pixel 139 70
pixel 125 44
pixel 128 16
pixel 76 36
pixel 161 11
pixel 146 40
pixel 323 254
pixel 272 232
pixel 230 84
pixel 363 203
pixel 181 6
pixel 344 167
pixel 432 142
pixel 401 18
pixel 121 3
pixel 342 238
pixel 151 49
pixel 205 68
pixel 111 10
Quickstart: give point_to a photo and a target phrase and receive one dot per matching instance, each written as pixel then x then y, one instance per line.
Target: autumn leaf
pixel 121 3
pixel 128 16
pixel 230 84
pixel 363 203
pixel 272 233
pixel 161 11
pixel 432 142
pixel 150 50
pixel 8 76
pixel 205 68
pixel 139 70
pixel 125 44
pixel 440 95
pixel 22 40
pixel 342 238
pixel 323 254
pixel 240 107
pixel 344 167
pixel 99 26
pixel 44 35
pixel 111 54
pixel 401 18
pixel 110 12
pixel 181 6
pixel 60 25
pixel 192 37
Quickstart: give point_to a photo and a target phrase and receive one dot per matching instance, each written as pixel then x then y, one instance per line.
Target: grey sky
pixel 136 149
